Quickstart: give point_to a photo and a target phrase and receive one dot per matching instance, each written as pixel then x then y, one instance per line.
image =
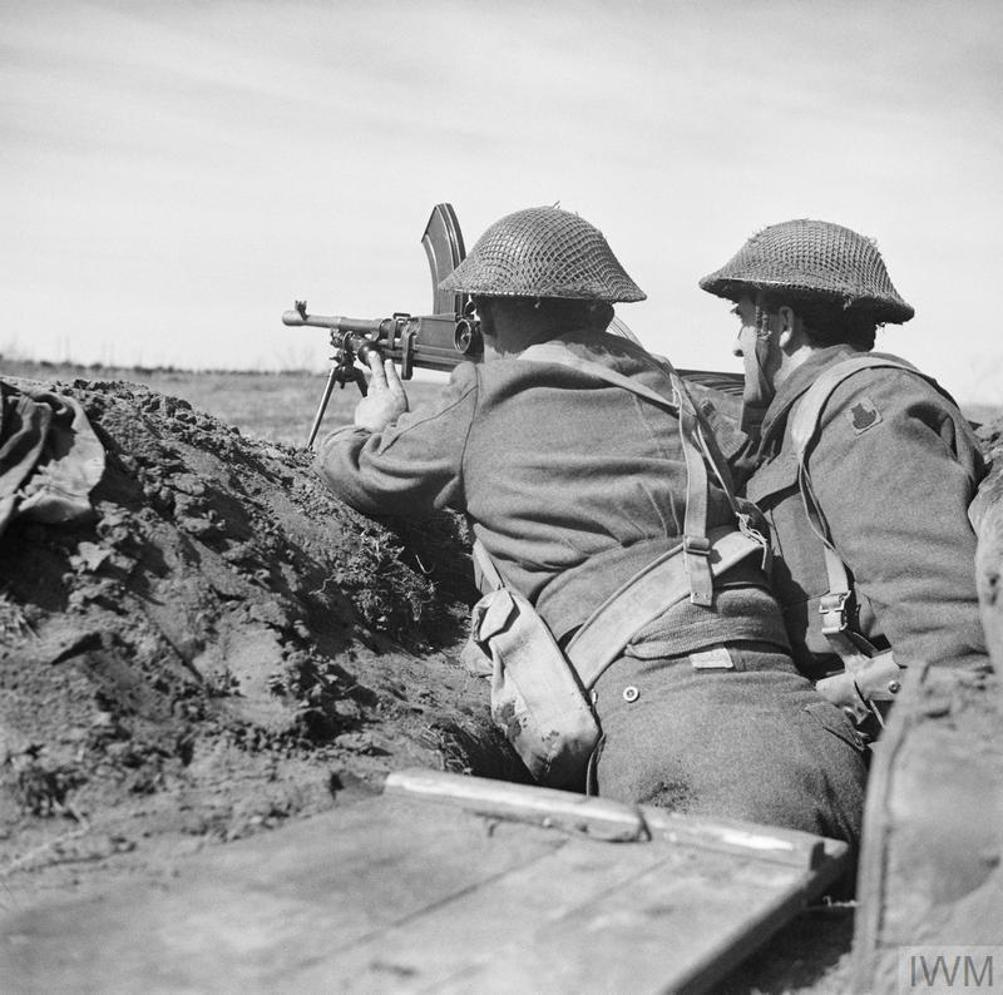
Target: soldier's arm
pixel 411 467
pixel 894 471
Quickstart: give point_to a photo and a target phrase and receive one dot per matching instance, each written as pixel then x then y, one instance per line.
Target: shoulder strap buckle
pixel 696 556
pixel 835 614
pixel 696 545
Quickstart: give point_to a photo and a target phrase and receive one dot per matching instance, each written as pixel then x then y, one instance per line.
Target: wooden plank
pixel 477 941
pixel 681 926
pixel 394 894
pixel 266 904
pixel 604 819
pixel 546 807
pixel 743 839
pixel 658 917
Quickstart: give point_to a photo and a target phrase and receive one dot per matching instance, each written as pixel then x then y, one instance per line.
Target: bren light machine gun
pixel 439 341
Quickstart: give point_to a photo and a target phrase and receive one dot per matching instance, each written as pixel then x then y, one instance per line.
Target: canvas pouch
pixel 536 697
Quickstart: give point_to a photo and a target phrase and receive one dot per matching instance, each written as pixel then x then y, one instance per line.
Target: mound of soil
pixel 224 646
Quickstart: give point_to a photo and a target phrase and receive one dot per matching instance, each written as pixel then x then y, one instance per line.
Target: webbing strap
pixel 662 583
pixel 696 449
pixel 693 422
pixel 554 352
pixel 696 545
pixel 807 414
pixel 657 586
pixel 835 608
pixel 805 422
pixel 689 567
pixel 711 449
pixel 487 575
pixel 670 577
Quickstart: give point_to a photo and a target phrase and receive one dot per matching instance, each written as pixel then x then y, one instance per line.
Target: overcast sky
pixel 173 174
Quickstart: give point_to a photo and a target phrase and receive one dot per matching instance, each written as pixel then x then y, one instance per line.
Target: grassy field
pixel 279 407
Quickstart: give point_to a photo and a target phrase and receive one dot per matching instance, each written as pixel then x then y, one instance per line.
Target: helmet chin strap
pixel 758 391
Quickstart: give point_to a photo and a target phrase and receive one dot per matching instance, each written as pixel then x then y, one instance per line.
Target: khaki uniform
pixel 894 470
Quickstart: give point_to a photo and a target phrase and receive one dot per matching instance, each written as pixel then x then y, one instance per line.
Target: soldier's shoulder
pixel 869 394
pixel 872 411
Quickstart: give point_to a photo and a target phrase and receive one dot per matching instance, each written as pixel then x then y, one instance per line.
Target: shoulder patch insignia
pixel 863 415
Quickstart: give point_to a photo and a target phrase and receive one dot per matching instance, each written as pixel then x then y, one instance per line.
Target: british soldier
pixel 864 465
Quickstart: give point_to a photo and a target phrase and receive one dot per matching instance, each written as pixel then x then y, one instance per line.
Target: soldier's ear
pixel 787 328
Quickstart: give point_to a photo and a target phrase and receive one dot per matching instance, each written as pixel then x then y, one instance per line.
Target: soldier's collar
pixel 796 384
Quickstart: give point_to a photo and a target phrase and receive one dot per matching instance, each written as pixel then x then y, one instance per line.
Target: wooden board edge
pixel 732 950
pixel 612 821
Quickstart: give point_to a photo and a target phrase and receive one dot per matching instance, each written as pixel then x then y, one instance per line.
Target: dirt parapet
pixel 223 646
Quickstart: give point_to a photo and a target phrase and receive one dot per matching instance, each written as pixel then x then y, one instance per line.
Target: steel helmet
pixel 543 252
pixel 812 260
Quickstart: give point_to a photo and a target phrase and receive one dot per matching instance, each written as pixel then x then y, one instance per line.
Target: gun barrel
pixel 362 326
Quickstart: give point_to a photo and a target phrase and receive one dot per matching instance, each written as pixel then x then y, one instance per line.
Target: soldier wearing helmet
pixel 865 468
pixel 566 451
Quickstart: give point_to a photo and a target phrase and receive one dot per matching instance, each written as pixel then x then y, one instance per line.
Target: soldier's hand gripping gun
pixel 438 341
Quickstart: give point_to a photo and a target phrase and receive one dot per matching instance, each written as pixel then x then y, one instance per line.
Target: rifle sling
pixel 695 449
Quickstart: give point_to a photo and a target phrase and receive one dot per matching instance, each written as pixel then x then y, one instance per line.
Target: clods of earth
pixel 223 647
